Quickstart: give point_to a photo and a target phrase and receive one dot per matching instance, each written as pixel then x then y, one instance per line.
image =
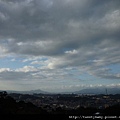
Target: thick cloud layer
pixel 82 34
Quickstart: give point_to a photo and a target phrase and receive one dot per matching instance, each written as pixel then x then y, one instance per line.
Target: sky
pixel 59 45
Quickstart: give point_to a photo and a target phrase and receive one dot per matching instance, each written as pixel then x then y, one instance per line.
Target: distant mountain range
pixel 99 90
pixel 27 92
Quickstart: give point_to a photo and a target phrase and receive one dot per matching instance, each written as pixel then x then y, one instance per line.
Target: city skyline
pixel 59 45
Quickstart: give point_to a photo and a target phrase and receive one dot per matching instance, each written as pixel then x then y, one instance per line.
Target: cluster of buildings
pixel 51 102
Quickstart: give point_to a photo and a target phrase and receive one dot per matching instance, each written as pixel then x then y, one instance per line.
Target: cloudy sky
pixel 59 45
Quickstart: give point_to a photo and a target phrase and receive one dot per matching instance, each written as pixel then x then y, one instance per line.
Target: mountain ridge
pixel 99 91
pixel 83 91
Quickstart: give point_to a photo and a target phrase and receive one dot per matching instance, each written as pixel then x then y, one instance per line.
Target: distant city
pixel 56 104
pixel 50 102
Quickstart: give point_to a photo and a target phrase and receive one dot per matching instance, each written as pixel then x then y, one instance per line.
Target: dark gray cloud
pixel 57 28
pixel 31 20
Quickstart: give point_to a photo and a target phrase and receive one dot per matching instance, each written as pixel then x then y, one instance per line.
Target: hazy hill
pixel 27 92
pixel 99 91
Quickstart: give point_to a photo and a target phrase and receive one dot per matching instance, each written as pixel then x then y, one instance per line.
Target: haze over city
pixel 59 45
